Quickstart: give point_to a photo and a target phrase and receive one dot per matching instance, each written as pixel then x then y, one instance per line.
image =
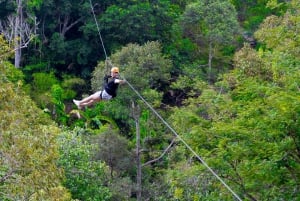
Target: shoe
pixel 76 102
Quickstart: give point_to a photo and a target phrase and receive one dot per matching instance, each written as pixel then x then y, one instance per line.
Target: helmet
pixel 115 70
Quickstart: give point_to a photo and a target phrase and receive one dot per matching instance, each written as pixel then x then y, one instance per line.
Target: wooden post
pixel 136 116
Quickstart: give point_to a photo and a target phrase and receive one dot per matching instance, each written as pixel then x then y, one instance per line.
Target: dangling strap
pixel 108 65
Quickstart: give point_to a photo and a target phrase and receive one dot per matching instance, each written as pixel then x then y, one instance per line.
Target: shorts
pixel 105 96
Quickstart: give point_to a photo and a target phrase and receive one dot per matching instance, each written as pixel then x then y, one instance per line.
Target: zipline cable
pixel 92 8
pixel 183 141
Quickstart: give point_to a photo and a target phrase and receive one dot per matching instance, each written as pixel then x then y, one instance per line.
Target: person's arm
pixel 120 81
pixel 106 78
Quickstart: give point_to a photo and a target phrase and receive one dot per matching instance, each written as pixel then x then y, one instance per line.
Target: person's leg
pixel 88 100
pixel 92 98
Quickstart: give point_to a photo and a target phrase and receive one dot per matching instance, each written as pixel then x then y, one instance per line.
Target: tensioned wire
pixel 184 142
pixel 166 123
pixel 92 8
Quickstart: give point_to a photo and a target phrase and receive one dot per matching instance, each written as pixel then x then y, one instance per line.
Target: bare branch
pixel 25 30
pixel 67 27
pixel 24 45
pixel 204 65
pixel 165 151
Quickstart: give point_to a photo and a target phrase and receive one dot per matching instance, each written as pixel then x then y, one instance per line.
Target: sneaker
pixel 76 102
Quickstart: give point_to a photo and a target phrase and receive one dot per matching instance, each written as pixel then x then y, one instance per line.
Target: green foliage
pixel 85 178
pixel 28 149
pixel 145 62
pixel 10 73
pixel 245 126
pixel 51 95
pixel 188 86
pixel 214 20
pixel 58 44
pixel 181 49
pixel 121 188
pixel 282 33
pixel 95 120
pixel 113 149
pixel 29 70
pixel 5 50
pixel 211 25
pixel 42 82
pixel 184 187
pixel 247 131
pixel 34 4
pixel 72 86
pixel 41 87
pixel 248 139
pixel 153 96
pixel 249 64
pixel 139 22
pixel 252 13
pixel 58 105
pixel 70 55
pixel 71 37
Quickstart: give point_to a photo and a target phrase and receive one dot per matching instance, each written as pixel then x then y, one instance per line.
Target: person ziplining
pixel 109 91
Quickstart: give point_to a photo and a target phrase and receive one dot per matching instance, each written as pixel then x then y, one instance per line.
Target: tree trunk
pixel 136 115
pixel 210 57
pixel 138 161
pixel 17 34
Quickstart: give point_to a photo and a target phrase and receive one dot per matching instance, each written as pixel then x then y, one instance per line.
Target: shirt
pixel 111 87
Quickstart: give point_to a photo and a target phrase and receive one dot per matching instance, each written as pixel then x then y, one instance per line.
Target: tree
pixel 252 13
pixel 68 38
pixel 281 34
pixel 20 27
pixel 86 178
pixel 6 51
pixel 246 127
pixel 138 22
pixel 211 23
pixel 113 149
pixel 28 147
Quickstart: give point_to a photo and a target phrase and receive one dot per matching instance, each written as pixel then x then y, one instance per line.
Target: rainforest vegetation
pixel 210 111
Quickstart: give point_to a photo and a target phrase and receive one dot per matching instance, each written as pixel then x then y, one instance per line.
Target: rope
pixel 92 8
pixel 108 63
pixel 183 141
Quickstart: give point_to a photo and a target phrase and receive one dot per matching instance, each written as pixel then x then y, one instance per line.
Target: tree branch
pixel 165 151
pixel 67 27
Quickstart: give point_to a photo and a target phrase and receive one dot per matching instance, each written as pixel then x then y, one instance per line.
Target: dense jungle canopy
pixel 223 74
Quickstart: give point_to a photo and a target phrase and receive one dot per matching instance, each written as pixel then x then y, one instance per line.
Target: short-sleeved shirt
pixel 111 87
